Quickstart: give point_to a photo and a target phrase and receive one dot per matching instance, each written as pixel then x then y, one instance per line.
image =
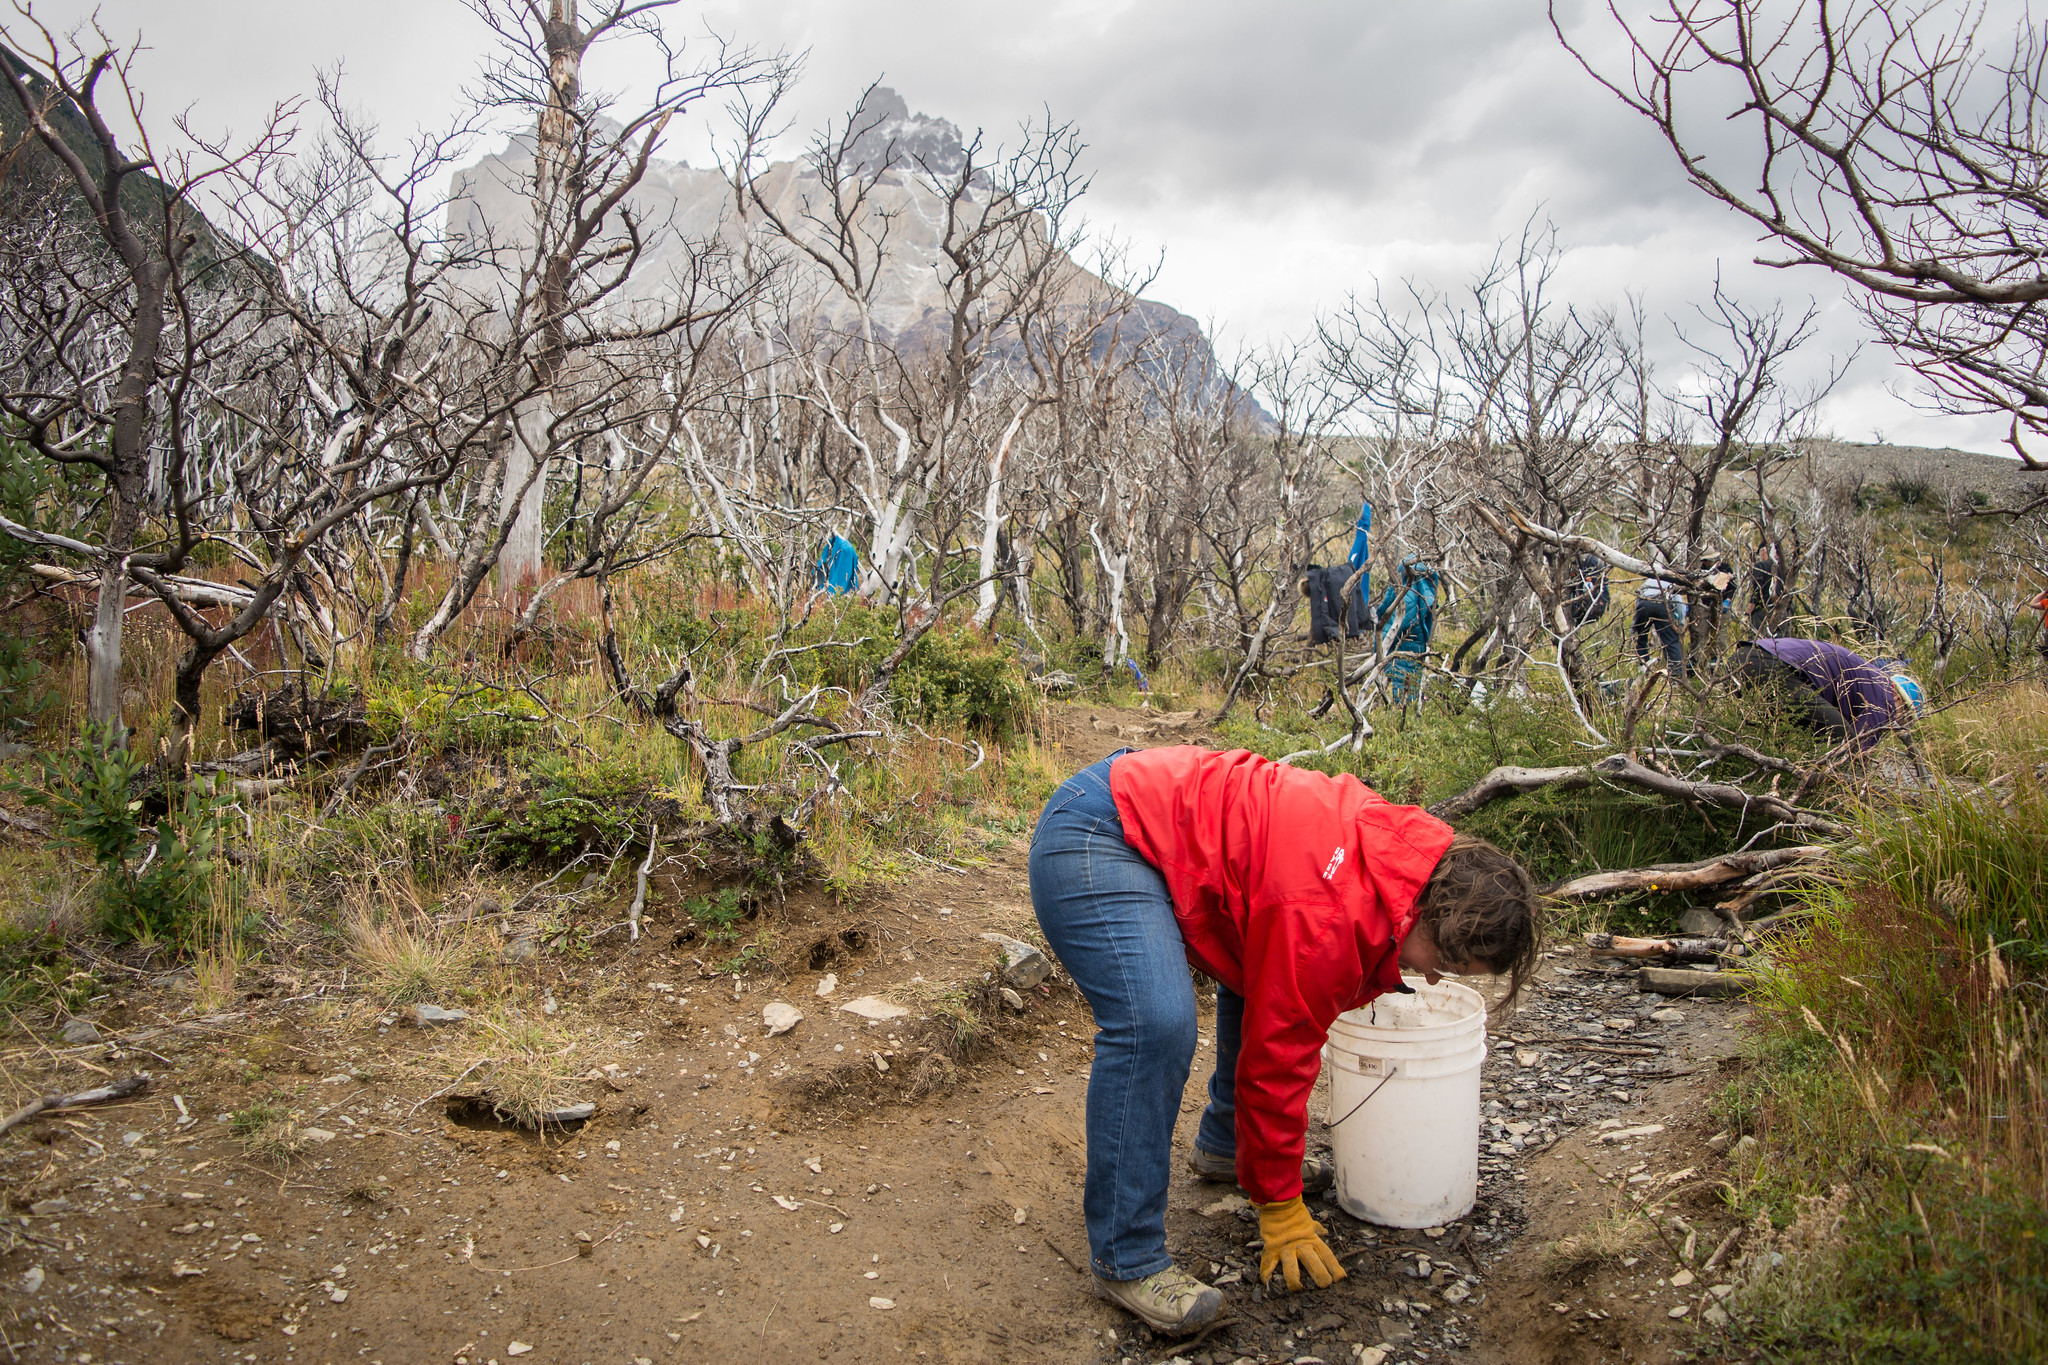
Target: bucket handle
pixel 1393 1070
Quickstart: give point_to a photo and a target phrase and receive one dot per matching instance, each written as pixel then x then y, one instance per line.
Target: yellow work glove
pixel 1294 1242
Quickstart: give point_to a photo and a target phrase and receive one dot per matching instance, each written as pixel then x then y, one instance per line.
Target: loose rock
pixel 1698 923
pixel 874 1007
pixel 574 1113
pixel 80 1031
pixel 828 983
pixel 779 1018
pixel 1023 965
pixel 1013 1000
pixel 433 1016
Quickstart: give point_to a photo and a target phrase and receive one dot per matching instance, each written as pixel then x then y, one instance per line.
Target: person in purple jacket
pixel 1835 692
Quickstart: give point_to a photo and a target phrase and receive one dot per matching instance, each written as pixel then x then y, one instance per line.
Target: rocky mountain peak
pixel 885 134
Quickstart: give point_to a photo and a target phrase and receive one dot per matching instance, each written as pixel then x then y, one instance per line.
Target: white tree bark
pixel 519 561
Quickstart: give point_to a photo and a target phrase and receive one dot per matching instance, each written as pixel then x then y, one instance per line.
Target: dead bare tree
pixel 558 282
pixel 107 329
pixel 1890 142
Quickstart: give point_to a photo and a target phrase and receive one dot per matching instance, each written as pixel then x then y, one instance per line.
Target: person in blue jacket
pixel 1414 597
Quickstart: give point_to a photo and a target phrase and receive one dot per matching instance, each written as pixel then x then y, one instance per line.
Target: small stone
pixel 1719 1141
pixel 1228 1204
pixel 1682 1279
pixel 1721 1291
pixel 337 1296
pixel 32 1279
pixel 433 1016
pixel 1012 1000
pixel 1698 923
pixel 1679 1311
pixel 316 1135
pixel 828 983
pixel 779 1018
pixel 1744 1147
pixel 881 1303
pixel 548 1005
pixel 881 1062
pixel 1619 1023
pixel 1715 1316
pixel 50 1208
pixel 574 1113
pixel 1371 1355
pixel 1457 1293
pixel 1667 1015
pixel 1641 1130
pixel 874 1007
pixel 1527 1057
pixel 1023 965
pixel 516 1348
pixel 80 1031
pixel 520 950
pixel 1394 1332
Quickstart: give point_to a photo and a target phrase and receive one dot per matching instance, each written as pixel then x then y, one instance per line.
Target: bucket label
pixel 1370 1066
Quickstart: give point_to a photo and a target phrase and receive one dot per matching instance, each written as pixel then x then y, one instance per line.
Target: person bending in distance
pixel 1303 895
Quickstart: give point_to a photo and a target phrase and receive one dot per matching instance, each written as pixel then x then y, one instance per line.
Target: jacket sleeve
pixel 1296 984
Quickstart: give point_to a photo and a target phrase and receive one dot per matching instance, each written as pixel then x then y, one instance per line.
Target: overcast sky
pixel 1279 154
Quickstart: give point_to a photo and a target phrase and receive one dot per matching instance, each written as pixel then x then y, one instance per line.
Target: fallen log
pixel 1727 867
pixel 1679 981
pixel 1775 880
pixel 1667 949
pixel 1509 781
pixel 1622 768
pixel 198 591
pixel 99 1094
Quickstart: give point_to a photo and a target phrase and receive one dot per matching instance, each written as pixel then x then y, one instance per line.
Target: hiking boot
pixel 1316 1174
pixel 1172 1301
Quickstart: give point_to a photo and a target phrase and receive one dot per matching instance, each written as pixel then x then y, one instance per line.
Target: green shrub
pixel 572 803
pixel 157 881
pixel 956 677
pixel 481 715
pixel 717 916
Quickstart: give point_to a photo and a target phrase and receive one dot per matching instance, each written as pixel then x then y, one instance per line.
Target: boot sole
pixel 1195 1321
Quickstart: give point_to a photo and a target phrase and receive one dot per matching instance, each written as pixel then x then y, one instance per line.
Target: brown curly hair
pixel 1482 906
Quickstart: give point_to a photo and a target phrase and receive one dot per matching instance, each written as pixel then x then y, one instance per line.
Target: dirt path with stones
pixel 840 1192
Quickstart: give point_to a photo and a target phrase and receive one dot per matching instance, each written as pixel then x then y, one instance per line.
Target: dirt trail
pixel 782 1198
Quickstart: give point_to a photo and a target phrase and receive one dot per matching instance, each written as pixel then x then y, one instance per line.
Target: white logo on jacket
pixel 1336 861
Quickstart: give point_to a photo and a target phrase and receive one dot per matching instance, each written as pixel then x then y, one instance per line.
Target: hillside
pixel 683 206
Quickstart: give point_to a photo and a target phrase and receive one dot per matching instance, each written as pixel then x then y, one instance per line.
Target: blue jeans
pixel 1108 917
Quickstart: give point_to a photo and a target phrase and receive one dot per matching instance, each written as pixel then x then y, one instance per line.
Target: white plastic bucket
pixel 1404 1105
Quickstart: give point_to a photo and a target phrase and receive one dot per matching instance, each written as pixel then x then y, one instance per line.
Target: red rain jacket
pixel 1294 889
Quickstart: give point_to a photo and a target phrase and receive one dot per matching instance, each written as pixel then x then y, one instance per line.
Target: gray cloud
pixel 1281 154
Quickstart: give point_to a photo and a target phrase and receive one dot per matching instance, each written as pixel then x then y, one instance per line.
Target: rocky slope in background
pixel 682 206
